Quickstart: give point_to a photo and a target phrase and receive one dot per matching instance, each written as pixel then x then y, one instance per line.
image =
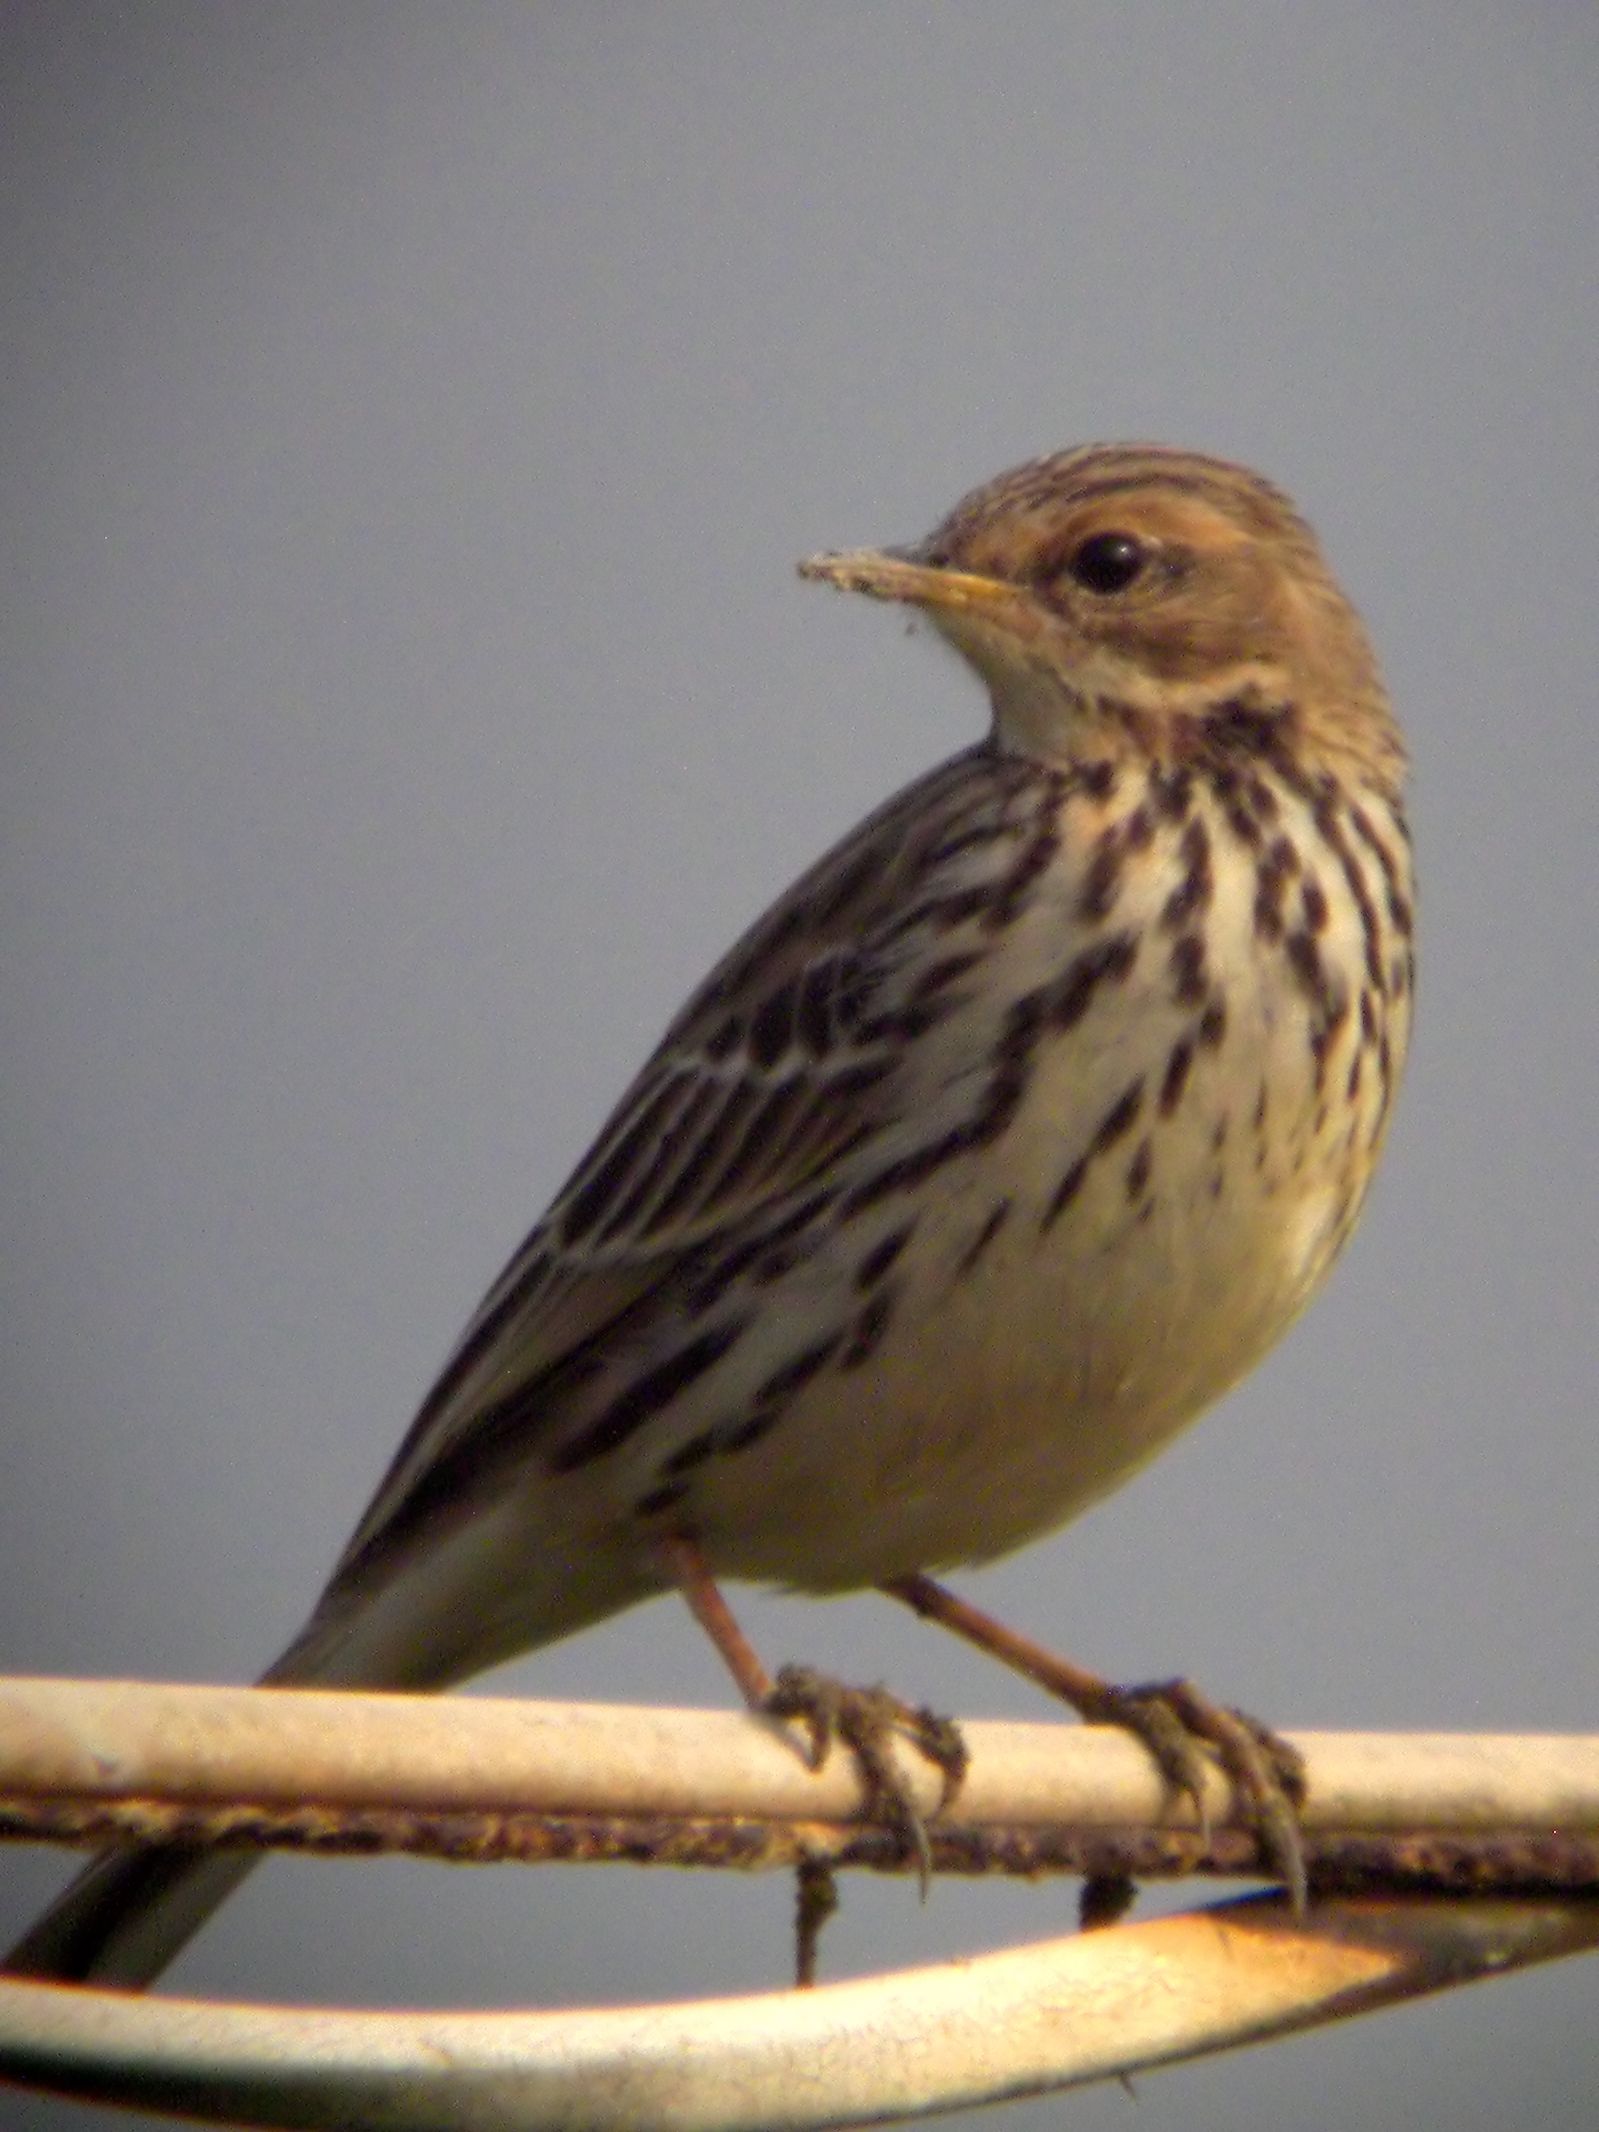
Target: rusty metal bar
pixel 1475 1862
pixel 480 1779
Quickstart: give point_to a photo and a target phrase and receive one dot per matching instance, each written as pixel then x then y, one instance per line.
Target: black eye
pixel 1108 562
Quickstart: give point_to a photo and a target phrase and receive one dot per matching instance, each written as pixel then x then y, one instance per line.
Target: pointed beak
pixel 955 595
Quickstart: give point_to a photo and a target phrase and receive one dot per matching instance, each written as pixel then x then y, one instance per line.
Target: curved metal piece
pixel 1052 2015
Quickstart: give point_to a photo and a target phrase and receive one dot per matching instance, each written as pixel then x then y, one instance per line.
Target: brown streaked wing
pixel 778 1060
pixel 774 1066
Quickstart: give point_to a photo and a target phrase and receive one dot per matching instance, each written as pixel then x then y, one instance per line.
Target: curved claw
pixel 1150 1714
pixel 1175 1721
pixel 867 1720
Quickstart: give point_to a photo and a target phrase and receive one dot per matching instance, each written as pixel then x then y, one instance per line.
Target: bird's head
pixel 1139 598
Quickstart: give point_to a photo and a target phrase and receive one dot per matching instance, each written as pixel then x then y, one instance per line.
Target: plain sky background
pixel 409 419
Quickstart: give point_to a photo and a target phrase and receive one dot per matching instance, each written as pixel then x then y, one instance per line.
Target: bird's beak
pixel 951 596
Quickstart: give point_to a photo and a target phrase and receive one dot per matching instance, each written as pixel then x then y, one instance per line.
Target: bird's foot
pixel 868 1721
pixel 1179 1725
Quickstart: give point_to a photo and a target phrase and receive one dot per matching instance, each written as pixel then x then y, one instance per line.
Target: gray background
pixel 411 417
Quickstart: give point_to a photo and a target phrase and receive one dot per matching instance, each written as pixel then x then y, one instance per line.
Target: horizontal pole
pixel 481 1778
pixel 233 1763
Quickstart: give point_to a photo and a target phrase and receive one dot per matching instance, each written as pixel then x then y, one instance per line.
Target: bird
pixel 1006 1141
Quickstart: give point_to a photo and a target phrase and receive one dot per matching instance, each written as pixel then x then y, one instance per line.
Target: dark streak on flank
pixel 1007 1084
pixel 710 1276
pixel 1013 895
pixel 1120 1119
pixel 997 1218
pixel 1304 959
pixel 739 1436
pixel 1138 1170
pixel 941 974
pixel 868 1329
pixel 1324 1034
pixel 793 1376
pixel 1178 1062
pixel 881 1257
pixel 1065 1192
pixel 907 1171
pixel 1012 1070
pixel 647 1396
pixel 1106 963
pixel 767 1407
pixel 693 1452
pixel 780 1390
pixel 665 1496
pixel 777 1263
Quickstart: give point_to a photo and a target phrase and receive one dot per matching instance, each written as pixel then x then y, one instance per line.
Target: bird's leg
pixel 1172 1718
pixel 867 1720
pixel 702 1595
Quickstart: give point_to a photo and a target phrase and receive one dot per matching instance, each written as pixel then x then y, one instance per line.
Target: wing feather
pixel 788 1054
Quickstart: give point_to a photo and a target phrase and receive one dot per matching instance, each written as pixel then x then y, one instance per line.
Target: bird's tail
pixel 133 1908
pixel 438 1615
pixel 127 1915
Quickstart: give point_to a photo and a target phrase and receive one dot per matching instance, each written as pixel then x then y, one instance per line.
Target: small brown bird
pixel 1007 1140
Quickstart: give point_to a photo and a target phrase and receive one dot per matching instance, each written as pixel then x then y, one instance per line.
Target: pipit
pixel 1008 1139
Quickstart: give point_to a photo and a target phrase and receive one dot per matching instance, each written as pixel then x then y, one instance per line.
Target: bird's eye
pixel 1108 562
